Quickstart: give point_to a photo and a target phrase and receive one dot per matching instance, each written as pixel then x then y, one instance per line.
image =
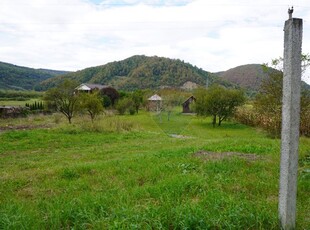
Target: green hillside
pixel 140 72
pixel 23 78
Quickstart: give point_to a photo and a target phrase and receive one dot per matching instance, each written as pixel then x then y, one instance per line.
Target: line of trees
pixel 65 100
pixel 35 106
pixel 216 101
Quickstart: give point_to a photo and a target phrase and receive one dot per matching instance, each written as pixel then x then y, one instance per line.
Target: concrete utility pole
pixel 290 121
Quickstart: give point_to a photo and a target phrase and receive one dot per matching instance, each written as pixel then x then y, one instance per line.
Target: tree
pixel 277 63
pixel 218 102
pixel 269 98
pixel 137 98
pixel 63 99
pixel 91 103
pixel 111 93
pixel 106 101
pixel 125 104
pixel 229 100
pixel 201 101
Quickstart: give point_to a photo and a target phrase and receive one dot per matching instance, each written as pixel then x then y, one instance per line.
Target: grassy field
pixel 142 172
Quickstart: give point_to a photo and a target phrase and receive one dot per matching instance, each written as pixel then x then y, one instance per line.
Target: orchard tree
pixel 218 102
pixel 201 95
pixel 125 104
pixel 63 99
pixel 91 102
pixel 111 93
pixel 230 99
pixel 137 99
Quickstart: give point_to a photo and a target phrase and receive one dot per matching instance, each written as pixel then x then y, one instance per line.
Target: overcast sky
pixel 213 35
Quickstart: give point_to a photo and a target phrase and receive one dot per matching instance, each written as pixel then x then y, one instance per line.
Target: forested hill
pixel 23 78
pixel 250 76
pixel 140 72
pixel 247 76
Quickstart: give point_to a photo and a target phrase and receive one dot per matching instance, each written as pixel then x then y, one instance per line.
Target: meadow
pixel 142 172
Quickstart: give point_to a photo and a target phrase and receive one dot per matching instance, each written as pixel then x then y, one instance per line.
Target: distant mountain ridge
pixel 137 72
pixel 246 76
pixel 23 78
pixel 140 72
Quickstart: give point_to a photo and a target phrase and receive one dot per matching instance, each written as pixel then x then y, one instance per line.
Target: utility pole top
pixel 290 12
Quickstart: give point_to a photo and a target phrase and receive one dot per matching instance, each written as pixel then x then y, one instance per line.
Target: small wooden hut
pixel 154 103
pixel 186 104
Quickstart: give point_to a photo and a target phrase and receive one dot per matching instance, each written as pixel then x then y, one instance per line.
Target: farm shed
pixel 186 104
pixel 154 103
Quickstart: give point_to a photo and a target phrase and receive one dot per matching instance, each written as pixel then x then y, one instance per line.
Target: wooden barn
pixel 186 104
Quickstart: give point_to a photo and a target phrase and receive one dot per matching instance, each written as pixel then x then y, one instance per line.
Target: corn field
pixel 271 122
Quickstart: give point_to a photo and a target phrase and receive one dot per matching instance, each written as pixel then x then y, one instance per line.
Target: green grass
pixel 127 172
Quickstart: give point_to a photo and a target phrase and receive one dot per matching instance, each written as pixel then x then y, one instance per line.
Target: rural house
pixel 85 87
pixel 103 90
pixel 186 104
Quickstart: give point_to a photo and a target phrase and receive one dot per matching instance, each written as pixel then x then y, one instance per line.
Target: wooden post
pixel 290 122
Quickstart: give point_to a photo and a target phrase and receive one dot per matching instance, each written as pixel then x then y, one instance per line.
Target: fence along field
pixel 125 172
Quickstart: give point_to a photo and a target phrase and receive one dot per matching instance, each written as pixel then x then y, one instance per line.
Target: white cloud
pixel 74 34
